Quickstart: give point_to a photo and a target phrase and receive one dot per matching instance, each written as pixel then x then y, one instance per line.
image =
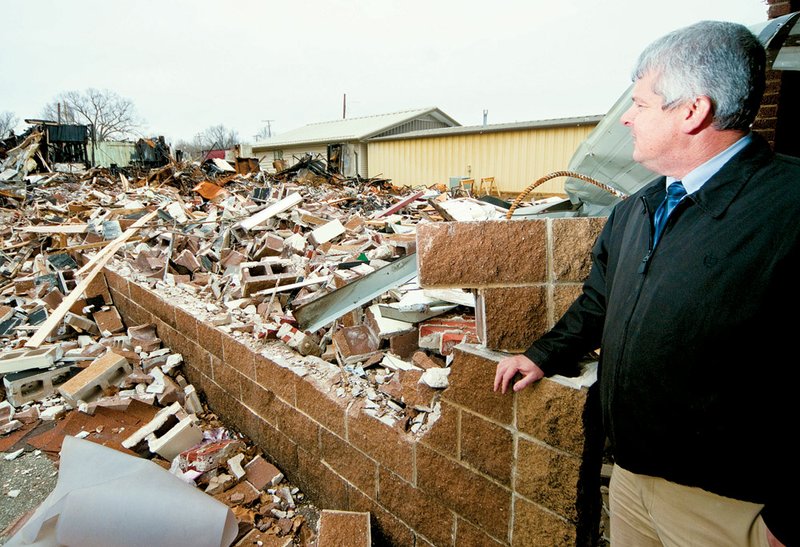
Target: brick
pixel 319 401
pixel 98 288
pixel 573 239
pixel 239 356
pixel 487 447
pixel 548 477
pixel 536 526
pixel 472 381
pixel 104 372
pixel 386 528
pixel 421 512
pixel 116 282
pixel 348 462
pixel 337 528
pixel 227 378
pixel 442 333
pixel 404 345
pixel 469 494
pixel 389 446
pixel 355 344
pixel 275 378
pixel 468 535
pixel 446 253
pixel 326 488
pixel 145 337
pixel 302 342
pixel 553 413
pixel 510 319
pixel 563 297
pixel 444 433
pixel 297 426
pixel 108 320
pixel 260 473
pixel 186 324
pixel 211 338
pixel 259 400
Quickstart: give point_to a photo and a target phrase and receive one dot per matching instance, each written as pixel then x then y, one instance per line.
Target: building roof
pixel 494 128
pixel 352 129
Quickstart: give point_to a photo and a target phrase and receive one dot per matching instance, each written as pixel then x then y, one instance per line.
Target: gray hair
pixel 723 61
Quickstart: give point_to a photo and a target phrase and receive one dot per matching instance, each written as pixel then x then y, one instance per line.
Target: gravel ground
pixel 34 475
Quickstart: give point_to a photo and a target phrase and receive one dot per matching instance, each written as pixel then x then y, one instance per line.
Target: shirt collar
pixel 697 177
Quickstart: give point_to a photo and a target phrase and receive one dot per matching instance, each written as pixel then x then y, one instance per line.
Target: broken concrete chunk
pixel 260 473
pixel 435 378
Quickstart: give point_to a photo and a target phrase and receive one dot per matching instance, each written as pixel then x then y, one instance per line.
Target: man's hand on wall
pixel 508 368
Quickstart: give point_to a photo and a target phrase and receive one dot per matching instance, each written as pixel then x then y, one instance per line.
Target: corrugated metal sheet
pixel 108 152
pixel 67 133
pixel 514 158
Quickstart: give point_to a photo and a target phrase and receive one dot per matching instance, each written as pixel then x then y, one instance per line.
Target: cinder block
pixel 510 319
pixel 548 477
pixel 268 273
pixel 556 414
pixel 512 253
pixel 32 385
pixel 487 447
pixel 573 239
pixel 27 359
pixel 87 385
pixel 173 412
pixel 534 525
pixel 182 436
pixel 471 380
pixel 337 528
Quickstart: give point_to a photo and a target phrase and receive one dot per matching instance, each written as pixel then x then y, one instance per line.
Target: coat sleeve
pixel 580 329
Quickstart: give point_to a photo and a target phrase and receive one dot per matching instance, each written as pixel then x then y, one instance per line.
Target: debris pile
pixel 303 265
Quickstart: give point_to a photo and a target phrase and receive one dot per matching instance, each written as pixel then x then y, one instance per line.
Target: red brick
pixel 348 462
pixel 472 383
pixel 446 253
pixel 420 511
pixel 466 492
pixel 487 447
pixel 389 446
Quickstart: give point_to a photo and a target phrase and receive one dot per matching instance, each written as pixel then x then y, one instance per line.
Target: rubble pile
pixel 308 267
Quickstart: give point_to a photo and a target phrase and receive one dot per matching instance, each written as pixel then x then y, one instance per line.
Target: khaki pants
pixel 649 511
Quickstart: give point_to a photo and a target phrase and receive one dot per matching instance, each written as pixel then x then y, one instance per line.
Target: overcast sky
pixel 187 65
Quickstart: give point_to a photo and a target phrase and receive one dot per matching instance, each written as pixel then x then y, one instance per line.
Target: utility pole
pixel 485 115
pixel 344 106
pixel 269 127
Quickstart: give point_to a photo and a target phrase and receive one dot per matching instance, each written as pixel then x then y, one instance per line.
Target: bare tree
pixel 111 115
pixel 8 121
pixel 217 137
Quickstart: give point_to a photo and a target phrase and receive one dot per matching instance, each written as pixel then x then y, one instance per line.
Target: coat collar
pixel 720 190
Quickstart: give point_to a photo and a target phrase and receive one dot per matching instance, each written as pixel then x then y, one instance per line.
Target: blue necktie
pixel 675 192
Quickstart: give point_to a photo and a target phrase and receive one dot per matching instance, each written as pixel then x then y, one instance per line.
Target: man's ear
pixel 698 114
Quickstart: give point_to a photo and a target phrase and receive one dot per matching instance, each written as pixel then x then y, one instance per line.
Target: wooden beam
pixel 97 263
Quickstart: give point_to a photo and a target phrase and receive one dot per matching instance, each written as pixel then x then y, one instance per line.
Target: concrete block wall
pixel 493 470
pixel 527 274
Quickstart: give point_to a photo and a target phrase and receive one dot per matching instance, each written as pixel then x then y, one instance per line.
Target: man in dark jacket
pixel 691 284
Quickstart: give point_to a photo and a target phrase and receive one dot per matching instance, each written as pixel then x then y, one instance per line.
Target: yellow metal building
pixel 515 154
